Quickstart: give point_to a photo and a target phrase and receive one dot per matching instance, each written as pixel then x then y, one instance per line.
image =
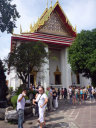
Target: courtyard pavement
pixel 66 116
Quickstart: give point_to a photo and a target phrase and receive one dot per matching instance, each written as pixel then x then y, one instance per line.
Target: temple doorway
pixel 57 75
pixel 33 75
pixel 32 79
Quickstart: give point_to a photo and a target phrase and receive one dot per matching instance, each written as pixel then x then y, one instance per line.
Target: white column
pixel 45 73
pixel 65 69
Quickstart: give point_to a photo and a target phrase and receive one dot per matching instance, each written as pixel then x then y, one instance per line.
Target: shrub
pixel 14 101
pixel 11 88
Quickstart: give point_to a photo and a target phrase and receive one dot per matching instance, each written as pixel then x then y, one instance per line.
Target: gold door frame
pixel 57 72
pixel 34 73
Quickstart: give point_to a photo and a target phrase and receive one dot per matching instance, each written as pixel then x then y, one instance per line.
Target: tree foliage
pixel 3 86
pixel 8 15
pixel 26 58
pixel 82 54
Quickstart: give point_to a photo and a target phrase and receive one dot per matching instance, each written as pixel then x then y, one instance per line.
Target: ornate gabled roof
pixel 51 39
pixel 46 15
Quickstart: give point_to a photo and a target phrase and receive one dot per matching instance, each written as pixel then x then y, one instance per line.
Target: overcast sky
pixel 81 13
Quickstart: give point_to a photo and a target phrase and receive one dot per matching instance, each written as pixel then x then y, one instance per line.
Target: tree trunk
pixel 23 78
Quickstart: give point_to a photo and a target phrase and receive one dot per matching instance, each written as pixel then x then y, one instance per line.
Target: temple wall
pixel 45 72
pixel 54 61
pixel 74 79
pixel 63 66
pixel 13 80
pixel 84 81
pixel 65 69
pixel 46 75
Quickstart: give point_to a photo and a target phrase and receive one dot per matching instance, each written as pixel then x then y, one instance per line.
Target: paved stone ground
pixel 66 116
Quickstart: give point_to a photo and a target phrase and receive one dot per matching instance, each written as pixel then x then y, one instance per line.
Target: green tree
pixel 3 86
pixel 26 58
pixel 82 54
pixel 8 15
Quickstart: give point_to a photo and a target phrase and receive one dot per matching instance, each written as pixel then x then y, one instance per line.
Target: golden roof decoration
pixel 13 31
pixel 47 4
pixel 75 28
pixel 46 15
pixel 57 69
pixel 31 27
pixel 51 4
pixel 20 29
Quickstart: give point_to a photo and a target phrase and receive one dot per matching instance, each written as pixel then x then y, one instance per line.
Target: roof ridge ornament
pixel 51 4
pixel 57 1
pixel 13 31
pixel 20 29
pixel 31 28
pixel 75 28
pixel 46 15
pixel 47 4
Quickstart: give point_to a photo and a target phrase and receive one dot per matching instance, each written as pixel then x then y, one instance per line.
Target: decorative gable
pixel 53 21
pixel 54 25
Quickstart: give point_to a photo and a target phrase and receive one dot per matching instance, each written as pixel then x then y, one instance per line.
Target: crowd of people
pixel 49 99
pixel 79 94
pixel 74 94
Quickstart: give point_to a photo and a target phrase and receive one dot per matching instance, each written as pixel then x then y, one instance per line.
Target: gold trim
pixel 31 28
pixel 57 72
pixel 75 28
pixel 47 4
pixel 20 29
pixel 51 4
pixel 34 73
pixel 46 15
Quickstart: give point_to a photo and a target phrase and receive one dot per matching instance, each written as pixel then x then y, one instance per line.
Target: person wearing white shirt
pixel 42 100
pixel 20 108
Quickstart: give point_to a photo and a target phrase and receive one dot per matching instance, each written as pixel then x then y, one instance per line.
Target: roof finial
pixel 75 28
pixel 30 27
pixel 51 3
pixel 57 1
pixel 13 31
pixel 20 29
pixel 47 4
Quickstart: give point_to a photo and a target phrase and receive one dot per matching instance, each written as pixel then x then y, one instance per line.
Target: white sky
pixel 81 13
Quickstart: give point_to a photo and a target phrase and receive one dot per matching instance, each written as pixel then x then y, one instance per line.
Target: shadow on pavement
pixel 55 125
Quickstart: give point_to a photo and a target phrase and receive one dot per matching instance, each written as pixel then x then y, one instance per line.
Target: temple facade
pixel 54 29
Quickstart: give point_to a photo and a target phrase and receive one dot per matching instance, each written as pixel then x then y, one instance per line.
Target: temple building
pixel 54 29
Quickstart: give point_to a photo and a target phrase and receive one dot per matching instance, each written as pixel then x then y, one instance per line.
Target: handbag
pixel 36 102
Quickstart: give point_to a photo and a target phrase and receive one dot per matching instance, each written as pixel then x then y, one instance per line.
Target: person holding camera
pixel 42 100
pixel 20 108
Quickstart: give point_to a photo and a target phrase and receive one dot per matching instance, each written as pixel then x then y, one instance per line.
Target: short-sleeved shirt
pixel 41 99
pixel 76 91
pixel 49 93
pixel 70 91
pixel 81 91
pixel 90 90
pixel 20 104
